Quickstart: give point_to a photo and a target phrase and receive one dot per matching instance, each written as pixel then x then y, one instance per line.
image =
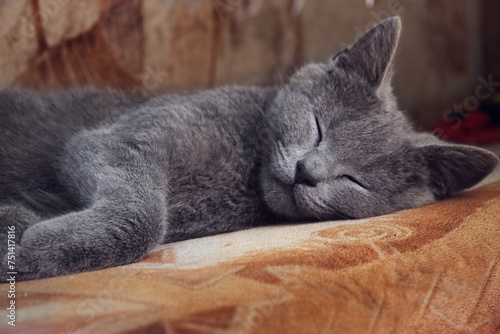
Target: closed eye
pixel 320 133
pixel 353 180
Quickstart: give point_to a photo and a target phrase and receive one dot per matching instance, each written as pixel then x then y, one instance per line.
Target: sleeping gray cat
pixel 92 179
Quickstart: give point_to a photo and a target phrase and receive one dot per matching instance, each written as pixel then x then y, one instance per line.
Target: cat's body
pixel 207 144
pixel 93 179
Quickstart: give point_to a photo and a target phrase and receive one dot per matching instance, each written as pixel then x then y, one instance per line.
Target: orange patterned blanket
pixel 431 269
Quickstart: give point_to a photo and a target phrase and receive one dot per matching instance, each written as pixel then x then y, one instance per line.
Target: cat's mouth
pixel 284 198
pixel 290 200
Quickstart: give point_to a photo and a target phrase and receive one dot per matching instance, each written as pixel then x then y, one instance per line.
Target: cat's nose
pixel 303 175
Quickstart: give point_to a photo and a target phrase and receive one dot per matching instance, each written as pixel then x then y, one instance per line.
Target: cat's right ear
pixel 371 55
pixel 452 167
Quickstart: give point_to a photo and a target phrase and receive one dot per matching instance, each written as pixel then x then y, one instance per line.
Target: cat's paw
pixel 23 263
pixel 16 217
pixel 14 220
pixel 35 255
pixel 19 264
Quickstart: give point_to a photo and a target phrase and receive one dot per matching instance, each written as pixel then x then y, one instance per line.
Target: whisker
pixel 281 149
pixel 277 70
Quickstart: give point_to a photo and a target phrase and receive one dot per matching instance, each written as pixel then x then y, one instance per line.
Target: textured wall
pixel 158 45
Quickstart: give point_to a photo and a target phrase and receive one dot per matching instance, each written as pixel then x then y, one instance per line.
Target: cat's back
pixel 57 112
pixel 34 127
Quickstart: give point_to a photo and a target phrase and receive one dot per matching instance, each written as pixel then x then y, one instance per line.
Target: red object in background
pixel 477 127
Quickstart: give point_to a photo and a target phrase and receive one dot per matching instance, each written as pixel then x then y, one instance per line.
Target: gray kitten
pixel 92 179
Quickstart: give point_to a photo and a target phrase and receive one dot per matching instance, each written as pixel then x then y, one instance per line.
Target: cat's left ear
pixel 371 55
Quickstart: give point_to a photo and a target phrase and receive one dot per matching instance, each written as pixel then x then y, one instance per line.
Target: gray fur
pixel 93 179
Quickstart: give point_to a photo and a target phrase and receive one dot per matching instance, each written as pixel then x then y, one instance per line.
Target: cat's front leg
pixel 106 235
pixel 125 213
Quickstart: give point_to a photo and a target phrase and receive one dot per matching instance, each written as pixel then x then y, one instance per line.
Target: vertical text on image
pixel 11 265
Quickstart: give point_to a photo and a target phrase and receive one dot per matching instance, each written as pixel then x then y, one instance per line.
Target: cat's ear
pixel 371 55
pixel 454 167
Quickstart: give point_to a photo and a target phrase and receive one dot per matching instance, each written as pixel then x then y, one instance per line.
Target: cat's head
pixel 338 147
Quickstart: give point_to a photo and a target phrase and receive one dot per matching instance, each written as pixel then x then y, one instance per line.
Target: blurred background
pixel 447 68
